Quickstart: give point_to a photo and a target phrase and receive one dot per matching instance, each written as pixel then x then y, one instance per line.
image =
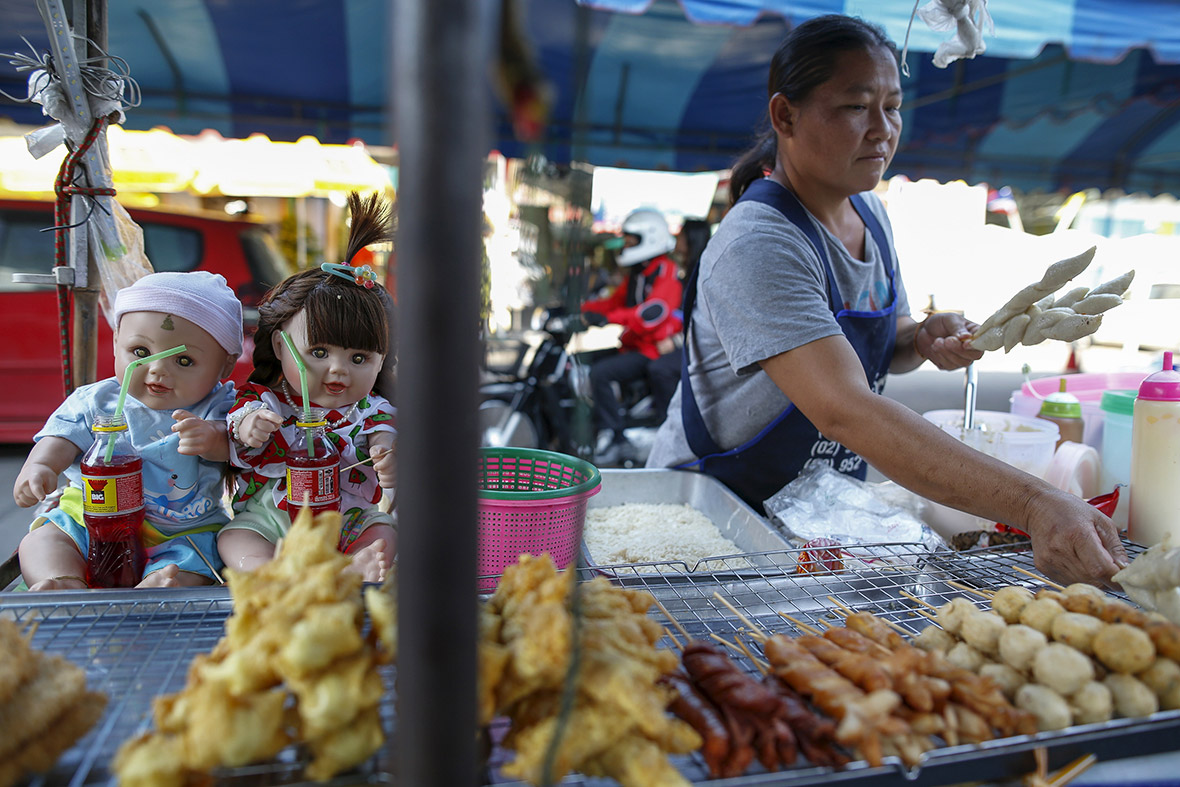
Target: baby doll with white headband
pixel 175 412
pixel 340 324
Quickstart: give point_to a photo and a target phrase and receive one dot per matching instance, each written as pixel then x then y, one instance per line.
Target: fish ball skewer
pixel 1132 698
pixel 1077 630
pixel 935 639
pixel 1010 601
pixel 1050 708
pixel 1040 613
pixel 1008 679
pixel 964 656
pixel 982 630
pixel 1019 645
pixel 1161 676
pixel 1092 703
pixel 1062 668
pixel 952 614
pixel 1124 648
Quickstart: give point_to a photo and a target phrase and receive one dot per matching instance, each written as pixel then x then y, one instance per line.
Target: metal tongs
pixel 969 397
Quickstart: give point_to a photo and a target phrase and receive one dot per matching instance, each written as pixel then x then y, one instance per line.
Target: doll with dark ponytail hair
pixel 341 323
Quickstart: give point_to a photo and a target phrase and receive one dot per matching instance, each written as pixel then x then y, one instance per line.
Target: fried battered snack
pixel 618 725
pixel 44 706
pixel 296 634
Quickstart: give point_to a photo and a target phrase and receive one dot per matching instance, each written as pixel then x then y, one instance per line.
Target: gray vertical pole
pixel 90 20
pixel 440 126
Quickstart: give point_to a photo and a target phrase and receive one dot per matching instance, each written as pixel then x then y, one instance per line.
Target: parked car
pixel 243 250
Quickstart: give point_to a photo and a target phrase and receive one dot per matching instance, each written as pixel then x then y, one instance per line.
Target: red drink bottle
pixel 313 466
pixel 112 506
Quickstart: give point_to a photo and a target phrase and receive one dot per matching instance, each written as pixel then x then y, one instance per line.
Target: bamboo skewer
pixel 372 458
pixel 762 666
pixel 672 620
pixel 976 591
pixel 1072 771
pixel 917 600
pixel 799 624
pixel 844 608
pixel 1039 578
pixel 205 560
pixel 672 637
pixel 755 632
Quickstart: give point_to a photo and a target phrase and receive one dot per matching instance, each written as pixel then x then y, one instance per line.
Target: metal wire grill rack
pixel 135 646
pixel 138 646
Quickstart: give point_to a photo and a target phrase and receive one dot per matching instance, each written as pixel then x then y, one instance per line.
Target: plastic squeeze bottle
pixel 1155 457
pixel 1065 410
pixel 112 506
pixel 313 466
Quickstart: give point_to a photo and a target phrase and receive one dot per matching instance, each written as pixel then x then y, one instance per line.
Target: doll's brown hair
pixel 339 311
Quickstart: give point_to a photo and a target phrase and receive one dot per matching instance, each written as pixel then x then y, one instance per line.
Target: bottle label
pixel 317 485
pixel 112 494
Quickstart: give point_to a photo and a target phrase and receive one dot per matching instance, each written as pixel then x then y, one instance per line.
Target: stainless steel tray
pixel 136 645
pixel 756 539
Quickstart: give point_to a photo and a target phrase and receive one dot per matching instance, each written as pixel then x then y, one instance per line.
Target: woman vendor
pixel 797 312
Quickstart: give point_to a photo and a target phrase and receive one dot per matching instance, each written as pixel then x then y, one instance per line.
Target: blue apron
pixel 790 443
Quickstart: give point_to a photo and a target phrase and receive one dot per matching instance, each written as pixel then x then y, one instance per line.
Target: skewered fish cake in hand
pixel 1051 710
pixel 1077 630
pixel 1123 648
pixel 1132 698
pixel 1062 668
pixel 1092 703
pixel 1010 601
pixel 1019 645
pixel 1032 315
pixel 981 630
pixel 1040 614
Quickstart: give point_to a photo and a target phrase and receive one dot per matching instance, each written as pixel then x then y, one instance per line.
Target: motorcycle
pixel 542 398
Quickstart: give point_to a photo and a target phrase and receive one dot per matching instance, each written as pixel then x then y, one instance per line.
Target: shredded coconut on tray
pixel 657 532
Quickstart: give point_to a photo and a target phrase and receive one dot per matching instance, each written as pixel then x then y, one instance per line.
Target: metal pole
pixel 440 124
pixel 90 20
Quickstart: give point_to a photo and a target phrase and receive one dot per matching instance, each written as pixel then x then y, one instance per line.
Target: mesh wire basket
pixel 530 501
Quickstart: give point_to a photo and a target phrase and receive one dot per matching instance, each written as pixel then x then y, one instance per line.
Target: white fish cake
pixel 1010 601
pixel 1019 645
pixel 1062 668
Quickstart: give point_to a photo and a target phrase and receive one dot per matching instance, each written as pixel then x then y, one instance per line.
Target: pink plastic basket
pixel 531 502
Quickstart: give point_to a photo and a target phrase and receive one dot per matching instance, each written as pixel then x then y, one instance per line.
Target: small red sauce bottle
pixel 112 506
pixel 313 466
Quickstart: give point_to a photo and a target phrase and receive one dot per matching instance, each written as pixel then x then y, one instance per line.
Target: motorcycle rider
pixel 647 305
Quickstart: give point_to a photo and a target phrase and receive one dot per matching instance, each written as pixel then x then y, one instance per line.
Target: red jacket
pixel 646 304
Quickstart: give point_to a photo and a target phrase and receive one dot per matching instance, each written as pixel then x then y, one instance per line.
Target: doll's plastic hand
pixel 941 340
pixel 199 437
pixel 257 427
pixel 385 463
pixel 34 482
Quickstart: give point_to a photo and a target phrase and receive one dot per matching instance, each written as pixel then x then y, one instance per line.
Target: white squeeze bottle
pixel 1155 458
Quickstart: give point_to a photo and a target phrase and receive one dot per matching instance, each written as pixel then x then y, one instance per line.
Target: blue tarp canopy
pixel 1070 94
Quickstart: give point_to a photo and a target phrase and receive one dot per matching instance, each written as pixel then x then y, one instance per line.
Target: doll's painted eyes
pixel 140 352
pixel 319 352
pixel 184 360
pixel 359 358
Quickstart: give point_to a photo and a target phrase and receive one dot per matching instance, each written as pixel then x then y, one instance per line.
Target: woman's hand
pixel 1072 540
pixel 940 340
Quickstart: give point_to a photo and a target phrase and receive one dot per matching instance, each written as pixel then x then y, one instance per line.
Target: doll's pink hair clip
pixel 363 275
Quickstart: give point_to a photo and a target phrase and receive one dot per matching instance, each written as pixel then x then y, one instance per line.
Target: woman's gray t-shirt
pixel 763 291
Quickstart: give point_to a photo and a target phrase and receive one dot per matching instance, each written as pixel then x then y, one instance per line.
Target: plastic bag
pixel 967 18
pixel 823 503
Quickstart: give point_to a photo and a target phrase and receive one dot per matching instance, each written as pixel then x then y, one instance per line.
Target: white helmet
pixel 654 238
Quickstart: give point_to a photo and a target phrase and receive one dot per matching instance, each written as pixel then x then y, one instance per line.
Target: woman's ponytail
pixel 752 164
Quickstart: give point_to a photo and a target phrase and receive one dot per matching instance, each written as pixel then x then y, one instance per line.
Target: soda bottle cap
pixel 1061 404
pixel 1162 386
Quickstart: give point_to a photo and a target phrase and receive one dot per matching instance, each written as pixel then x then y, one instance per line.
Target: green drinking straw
pixel 302 388
pixel 127 373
